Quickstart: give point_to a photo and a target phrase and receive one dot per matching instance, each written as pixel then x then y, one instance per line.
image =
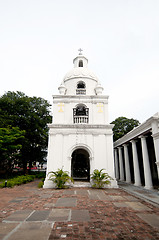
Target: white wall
pixel 98 143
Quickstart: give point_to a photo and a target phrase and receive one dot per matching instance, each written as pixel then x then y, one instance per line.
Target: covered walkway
pixel 137 155
pixel 148 195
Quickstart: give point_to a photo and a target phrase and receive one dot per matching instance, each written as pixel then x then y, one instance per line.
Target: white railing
pixel 80 119
pixel 80 91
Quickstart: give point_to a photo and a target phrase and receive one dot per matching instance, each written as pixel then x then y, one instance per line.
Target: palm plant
pixel 60 178
pixel 100 178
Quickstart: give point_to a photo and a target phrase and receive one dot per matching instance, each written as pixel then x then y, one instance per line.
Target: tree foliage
pixel 10 139
pixel 122 126
pixel 32 115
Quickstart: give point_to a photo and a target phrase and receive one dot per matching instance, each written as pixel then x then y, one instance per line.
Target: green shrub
pixel 60 178
pixel 30 178
pixel 40 174
pixel 22 179
pixel 2 185
pixel 100 179
pixel 10 183
pixel 18 180
pixel 40 185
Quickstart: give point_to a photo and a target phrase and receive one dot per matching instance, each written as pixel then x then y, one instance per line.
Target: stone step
pixel 81 184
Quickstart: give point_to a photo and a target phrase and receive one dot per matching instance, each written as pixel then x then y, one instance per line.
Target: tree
pixel 10 146
pixel 32 115
pixel 122 126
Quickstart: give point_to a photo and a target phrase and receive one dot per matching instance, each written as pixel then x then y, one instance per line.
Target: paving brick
pixel 49 205
pixel 66 202
pixel 69 192
pixel 80 215
pixel 131 198
pixel 6 228
pixel 28 231
pixel 138 206
pixel 82 192
pixel 100 214
pixel 93 194
pixel 39 216
pixel 18 199
pixel 46 196
pixel 18 216
pixel 112 191
pixel 59 215
pixel 120 204
pixel 103 196
pixel 117 198
pixel 151 219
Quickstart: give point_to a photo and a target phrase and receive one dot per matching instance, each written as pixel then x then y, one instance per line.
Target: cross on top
pixel 80 51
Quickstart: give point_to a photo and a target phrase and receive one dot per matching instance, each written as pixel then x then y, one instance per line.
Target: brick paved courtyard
pixel 27 212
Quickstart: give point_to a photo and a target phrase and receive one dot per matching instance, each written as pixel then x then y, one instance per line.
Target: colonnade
pixel 122 162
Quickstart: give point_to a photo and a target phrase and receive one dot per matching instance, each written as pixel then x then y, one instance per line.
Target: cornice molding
pixel 80 97
pixel 142 129
pixel 80 126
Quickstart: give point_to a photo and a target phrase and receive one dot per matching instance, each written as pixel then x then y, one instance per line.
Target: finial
pixel 80 51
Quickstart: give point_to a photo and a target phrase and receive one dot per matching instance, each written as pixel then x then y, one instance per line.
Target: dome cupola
pixel 80 75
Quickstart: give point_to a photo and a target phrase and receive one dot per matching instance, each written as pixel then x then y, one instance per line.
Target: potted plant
pixel 60 178
pixel 99 178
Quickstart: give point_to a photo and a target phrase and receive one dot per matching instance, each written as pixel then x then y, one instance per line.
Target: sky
pixel 40 38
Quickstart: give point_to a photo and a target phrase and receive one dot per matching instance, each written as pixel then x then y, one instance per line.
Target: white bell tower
pixel 80 136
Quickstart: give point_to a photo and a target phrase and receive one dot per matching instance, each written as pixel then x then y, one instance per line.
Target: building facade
pixel 137 155
pixel 80 136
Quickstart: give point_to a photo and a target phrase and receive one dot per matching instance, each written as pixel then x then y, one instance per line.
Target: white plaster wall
pixel 79 58
pixel 64 114
pixel 109 145
pixel 62 145
pixel 71 85
pixel 65 136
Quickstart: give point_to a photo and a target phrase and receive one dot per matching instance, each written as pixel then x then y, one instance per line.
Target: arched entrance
pixel 80 165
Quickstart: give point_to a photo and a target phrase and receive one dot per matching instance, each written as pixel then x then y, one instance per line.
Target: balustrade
pixel 80 91
pixel 80 119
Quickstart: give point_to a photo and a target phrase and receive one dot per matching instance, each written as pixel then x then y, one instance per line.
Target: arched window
pixel 81 84
pixel 80 64
pixel 81 88
pixel 80 114
pixel 80 110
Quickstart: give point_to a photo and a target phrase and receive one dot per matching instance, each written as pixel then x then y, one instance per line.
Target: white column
pixel 121 164
pixel 156 147
pixel 155 135
pixel 136 164
pixel 127 165
pixel 146 163
pixel 116 164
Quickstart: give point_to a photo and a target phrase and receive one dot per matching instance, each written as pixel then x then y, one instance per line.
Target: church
pixel 80 135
